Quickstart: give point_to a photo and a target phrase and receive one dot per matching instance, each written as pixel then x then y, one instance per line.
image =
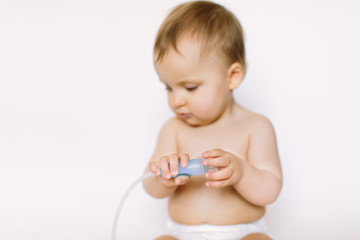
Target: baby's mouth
pixel 185 115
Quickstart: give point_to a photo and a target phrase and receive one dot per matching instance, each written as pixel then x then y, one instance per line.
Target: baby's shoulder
pixel 172 124
pixel 254 121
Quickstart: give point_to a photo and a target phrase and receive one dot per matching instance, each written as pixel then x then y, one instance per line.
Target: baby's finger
pixel 222 174
pixel 174 164
pixel 168 182
pixel 218 184
pixel 217 162
pixel 184 160
pixel 181 180
pixel 164 166
pixel 154 167
pixel 213 153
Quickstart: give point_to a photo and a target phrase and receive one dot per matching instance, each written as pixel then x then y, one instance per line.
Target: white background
pixel 81 106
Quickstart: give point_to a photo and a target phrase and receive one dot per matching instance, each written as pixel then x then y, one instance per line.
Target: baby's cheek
pixel 209 109
pixel 203 112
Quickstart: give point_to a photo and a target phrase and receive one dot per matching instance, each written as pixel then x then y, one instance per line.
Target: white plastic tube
pixel 123 199
pixel 194 167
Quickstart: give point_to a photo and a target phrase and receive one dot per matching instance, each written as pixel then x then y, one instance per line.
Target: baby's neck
pixel 227 114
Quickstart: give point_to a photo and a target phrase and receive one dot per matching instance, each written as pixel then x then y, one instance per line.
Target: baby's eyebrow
pixel 190 81
pixel 183 83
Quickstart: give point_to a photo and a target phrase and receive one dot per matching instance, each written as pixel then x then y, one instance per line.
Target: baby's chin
pixel 196 122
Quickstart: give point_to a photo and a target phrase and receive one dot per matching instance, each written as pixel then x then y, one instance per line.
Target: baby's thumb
pixel 181 180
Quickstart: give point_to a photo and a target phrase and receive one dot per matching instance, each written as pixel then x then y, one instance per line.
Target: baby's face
pixel 197 85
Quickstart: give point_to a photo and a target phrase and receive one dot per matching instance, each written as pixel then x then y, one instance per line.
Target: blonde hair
pixel 209 23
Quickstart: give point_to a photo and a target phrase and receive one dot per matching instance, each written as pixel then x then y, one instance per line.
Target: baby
pixel 199 55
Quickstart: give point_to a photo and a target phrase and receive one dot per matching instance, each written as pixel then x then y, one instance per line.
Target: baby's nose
pixel 179 101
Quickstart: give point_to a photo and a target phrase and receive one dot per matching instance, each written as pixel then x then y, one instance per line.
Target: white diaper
pixel 215 232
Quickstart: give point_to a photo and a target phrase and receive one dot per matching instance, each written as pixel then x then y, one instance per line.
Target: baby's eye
pixel 168 88
pixel 191 87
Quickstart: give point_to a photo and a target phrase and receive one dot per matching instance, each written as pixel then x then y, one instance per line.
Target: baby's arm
pixel 263 180
pixel 258 179
pixel 165 155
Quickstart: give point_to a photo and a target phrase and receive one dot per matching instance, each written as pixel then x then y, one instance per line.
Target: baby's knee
pixel 167 237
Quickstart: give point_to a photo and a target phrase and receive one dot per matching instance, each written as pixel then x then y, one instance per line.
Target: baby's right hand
pixel 169 168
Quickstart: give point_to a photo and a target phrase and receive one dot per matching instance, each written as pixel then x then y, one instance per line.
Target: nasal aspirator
pixel 194 167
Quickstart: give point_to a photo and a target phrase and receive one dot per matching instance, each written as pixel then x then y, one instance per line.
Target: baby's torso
pixel 194 203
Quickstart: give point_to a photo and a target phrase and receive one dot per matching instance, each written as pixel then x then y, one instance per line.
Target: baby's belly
pixel 195 204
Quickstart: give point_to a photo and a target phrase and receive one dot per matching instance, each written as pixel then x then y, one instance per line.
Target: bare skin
pixel 209 124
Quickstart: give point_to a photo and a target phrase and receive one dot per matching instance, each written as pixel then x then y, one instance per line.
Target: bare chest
pixel 195 141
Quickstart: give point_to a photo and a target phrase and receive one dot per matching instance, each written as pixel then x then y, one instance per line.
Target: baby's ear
pixel 235 75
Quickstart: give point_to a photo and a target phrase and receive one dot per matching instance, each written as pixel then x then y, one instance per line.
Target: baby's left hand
pixel 230 167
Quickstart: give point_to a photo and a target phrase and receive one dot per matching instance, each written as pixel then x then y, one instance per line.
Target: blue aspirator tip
pixel 194 167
